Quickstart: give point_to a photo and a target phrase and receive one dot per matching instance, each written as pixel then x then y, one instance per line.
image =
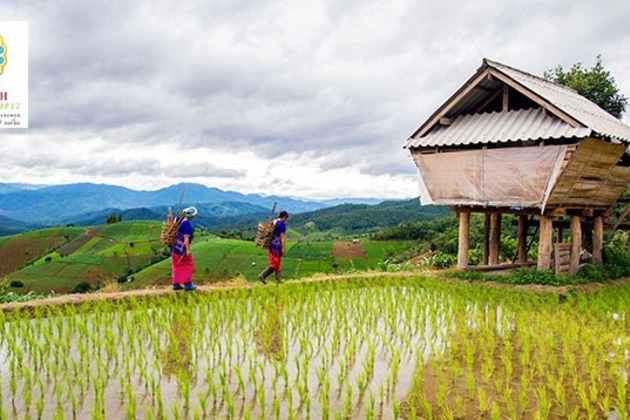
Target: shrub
pixel 440 260
pixel 83 287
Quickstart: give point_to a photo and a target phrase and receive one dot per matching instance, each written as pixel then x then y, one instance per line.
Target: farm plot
pixel 20 250
pixel 96 256
pixel 359 348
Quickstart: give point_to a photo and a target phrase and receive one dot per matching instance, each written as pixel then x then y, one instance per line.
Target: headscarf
pixel 190 212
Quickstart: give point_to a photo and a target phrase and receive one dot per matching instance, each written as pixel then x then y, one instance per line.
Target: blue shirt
pixel 185 229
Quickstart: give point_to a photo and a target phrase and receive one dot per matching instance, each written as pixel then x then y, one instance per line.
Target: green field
pixel 129 254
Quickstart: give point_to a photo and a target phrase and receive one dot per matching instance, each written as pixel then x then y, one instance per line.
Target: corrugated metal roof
pixel 498 127
pixel 566 103
pixel 569 101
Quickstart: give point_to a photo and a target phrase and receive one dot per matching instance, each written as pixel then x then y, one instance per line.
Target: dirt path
pixel 125 296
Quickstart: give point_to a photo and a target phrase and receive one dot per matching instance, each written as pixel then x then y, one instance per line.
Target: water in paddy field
pixel 310 350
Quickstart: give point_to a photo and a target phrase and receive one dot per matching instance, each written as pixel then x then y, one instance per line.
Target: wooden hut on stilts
pixel 508 142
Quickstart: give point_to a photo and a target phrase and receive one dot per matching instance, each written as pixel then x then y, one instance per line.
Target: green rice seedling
pixel 347 405
pixel 175 411
pixel 470 384
pixel 495 412
pixel 544 405
pixel 482 398
pixel 442 391
pixel 289 401
pixel 276 408
pixel 396 409
pixel 230 406
pixel 261 401
pixel 605 403
pixel 39 407
pixel 621 395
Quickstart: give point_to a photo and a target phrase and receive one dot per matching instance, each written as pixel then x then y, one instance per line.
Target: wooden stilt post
pixel 544 243
pixel 464 231
pixel 598 239
pixel 495 238
pixel 486 239
pixel 521 256
pixel 576 239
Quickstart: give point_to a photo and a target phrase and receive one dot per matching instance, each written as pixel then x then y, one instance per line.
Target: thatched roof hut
pixel 511 142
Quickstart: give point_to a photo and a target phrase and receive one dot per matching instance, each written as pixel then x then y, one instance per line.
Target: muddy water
pixel 301 352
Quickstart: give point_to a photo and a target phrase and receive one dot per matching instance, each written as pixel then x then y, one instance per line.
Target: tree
pixel 113 218
pixel 595 84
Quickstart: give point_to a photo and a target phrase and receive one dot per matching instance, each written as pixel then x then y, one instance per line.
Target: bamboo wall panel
pixel 591 178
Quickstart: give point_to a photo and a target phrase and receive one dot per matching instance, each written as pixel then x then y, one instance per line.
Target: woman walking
pixel 277 248
pixel 181 256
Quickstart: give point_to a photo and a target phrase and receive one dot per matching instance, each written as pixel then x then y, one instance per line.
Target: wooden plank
pixel 562 257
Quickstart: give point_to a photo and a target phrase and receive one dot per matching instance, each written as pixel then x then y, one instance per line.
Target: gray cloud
pixel 340 83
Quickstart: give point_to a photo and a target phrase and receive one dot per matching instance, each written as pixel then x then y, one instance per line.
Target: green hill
pixel 66 258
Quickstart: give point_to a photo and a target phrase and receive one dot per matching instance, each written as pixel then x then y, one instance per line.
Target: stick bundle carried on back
pixel 265 231
pixel 168 235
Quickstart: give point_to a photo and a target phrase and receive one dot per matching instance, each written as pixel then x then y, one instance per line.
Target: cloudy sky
pixel 303 98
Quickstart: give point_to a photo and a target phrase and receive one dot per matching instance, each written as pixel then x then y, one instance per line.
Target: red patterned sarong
pixel 183 268
pixel 275 254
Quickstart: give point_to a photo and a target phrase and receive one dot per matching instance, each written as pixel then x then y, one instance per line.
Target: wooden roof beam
pixel 535 98
pixel 451 102
pixel 488 101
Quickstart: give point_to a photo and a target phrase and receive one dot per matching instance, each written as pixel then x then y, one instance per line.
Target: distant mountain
pixel 10 226
pixel 207 211
pixel 13 187
pixel 60 204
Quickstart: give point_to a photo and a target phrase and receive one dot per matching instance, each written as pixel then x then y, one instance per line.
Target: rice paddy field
pixel 387 347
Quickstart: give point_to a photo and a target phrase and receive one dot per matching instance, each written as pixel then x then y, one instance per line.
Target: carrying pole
pixel 273 209
pixel 179 205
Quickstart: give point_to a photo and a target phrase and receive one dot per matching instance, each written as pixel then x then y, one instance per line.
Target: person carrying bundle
pixel 181 256
pixel 277 248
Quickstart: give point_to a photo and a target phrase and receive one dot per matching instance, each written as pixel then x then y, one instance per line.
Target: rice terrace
pixel 380 346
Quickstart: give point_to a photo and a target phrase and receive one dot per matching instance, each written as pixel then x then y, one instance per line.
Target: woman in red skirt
pixel 181 256
pixel 277 248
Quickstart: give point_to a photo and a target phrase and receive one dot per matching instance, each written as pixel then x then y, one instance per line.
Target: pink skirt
pixel 183 268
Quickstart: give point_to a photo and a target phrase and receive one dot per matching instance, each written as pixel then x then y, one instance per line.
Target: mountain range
pixel 24 206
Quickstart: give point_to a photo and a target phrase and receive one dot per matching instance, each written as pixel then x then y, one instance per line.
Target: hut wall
pixel 512 176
